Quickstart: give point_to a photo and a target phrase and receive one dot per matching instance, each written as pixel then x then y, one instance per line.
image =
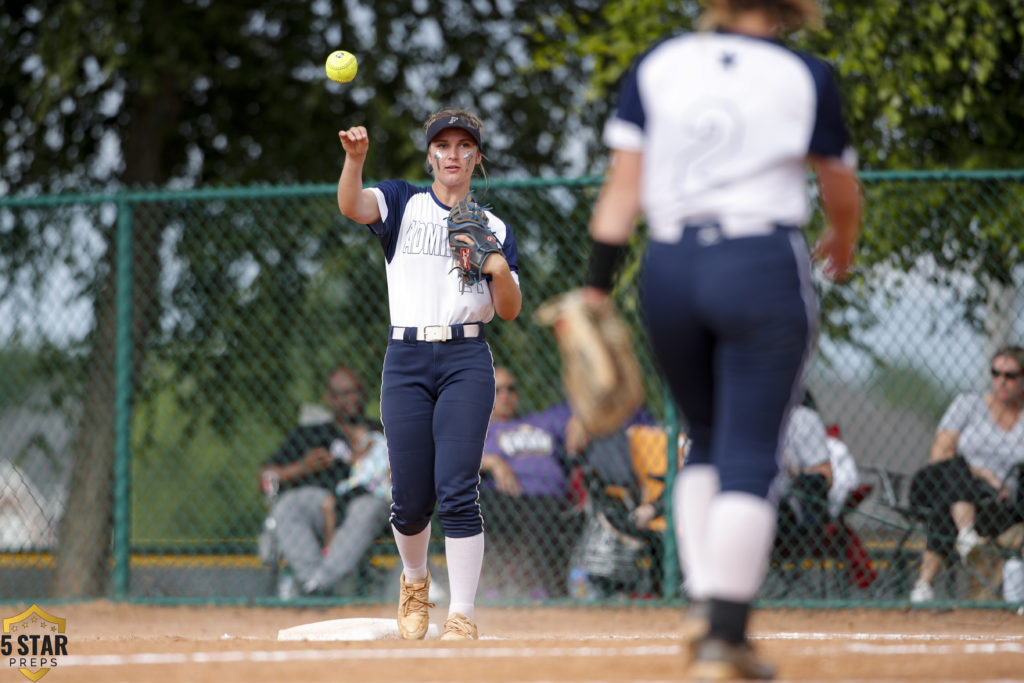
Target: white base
pixel 348 629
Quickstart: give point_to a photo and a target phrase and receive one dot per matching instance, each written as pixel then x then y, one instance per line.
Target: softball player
pixel 437 386
pixel 711 140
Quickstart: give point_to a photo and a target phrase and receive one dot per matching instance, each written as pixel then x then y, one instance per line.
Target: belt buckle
pixel 709 234
pixel 434 333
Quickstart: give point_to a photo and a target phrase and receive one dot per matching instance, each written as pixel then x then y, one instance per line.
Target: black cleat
pixel 717 660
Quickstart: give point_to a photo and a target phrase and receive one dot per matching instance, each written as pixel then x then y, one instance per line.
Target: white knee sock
pixel 465 558
pixel 413 551
pixel 694 490
pixel 741 530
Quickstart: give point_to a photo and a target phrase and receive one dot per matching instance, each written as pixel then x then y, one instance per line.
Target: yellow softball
pixel 341 66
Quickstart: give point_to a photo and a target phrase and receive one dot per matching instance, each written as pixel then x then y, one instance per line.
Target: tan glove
pixel 600 373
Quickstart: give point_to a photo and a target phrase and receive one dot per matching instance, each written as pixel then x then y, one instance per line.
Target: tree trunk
pixel 85 529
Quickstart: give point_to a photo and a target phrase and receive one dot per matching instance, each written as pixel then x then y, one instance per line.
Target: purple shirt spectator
pixel 534 448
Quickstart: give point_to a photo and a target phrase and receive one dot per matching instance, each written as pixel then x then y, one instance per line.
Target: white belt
pixel 712 231
pixel 439 333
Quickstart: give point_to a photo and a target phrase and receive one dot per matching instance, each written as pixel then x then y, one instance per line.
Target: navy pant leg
pixel 407 412
pixel 436 401
pixel 731 323
pixel 683 345
pixel 461 417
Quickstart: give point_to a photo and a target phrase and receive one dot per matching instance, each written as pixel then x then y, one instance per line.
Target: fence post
pixel 123 403
pixel 670 561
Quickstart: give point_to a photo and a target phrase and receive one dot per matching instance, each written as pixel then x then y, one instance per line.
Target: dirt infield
pixel 109 643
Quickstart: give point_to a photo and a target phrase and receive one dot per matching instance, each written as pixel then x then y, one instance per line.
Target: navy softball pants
pixel 436 400
pixel 731 323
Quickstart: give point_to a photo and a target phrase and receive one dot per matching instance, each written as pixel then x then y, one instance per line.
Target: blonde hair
pixel 790 15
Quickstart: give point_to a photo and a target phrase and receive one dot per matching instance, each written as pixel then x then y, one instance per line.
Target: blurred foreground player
pixel 711 140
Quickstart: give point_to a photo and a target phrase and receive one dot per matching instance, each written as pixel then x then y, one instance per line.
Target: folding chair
pixel 892 492
pixel 827 543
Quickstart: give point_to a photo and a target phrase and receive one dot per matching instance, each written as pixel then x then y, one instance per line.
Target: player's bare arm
pixel 841 202
pixel 616 210
pixel 507 297
pixel 353 201
pixel 618 203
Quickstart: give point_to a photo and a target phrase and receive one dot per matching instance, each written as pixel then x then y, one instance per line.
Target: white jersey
pixel 422 287
pixel 734 118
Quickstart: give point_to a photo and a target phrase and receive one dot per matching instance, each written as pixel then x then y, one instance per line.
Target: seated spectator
pixel 844 473
pixel 804 481
pixel 964 487
pixel 818 480
pixel 333 489
pixel 524 493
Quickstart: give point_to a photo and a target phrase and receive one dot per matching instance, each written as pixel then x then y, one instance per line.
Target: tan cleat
pixel 459 627
pixel 413 601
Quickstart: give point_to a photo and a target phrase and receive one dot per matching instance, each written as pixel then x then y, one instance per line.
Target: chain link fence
pixel 157 348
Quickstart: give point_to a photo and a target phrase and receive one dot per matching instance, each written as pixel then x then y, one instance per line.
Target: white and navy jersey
pixel 734 118
pixel 422 287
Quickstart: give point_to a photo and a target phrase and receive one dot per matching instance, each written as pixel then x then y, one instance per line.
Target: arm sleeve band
pixel 605 259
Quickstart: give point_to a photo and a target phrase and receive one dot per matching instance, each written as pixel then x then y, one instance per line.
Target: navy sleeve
pixel 830 137
pixel 396 196
pixel 510 249
pixel 630 107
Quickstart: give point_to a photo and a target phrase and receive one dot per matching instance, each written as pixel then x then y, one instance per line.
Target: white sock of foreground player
pixel 741 530
pixel 413 551
pixel 465 558
pixel 694 490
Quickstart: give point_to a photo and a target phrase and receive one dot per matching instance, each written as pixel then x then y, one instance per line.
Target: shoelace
pixel 419 595
pixel 460 626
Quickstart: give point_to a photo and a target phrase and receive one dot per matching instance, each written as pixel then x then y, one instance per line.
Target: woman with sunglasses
pixel 964 488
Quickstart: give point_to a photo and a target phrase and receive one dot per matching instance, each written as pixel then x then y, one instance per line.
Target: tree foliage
pixel 931 85
pixel 927 85
pixel 197 93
